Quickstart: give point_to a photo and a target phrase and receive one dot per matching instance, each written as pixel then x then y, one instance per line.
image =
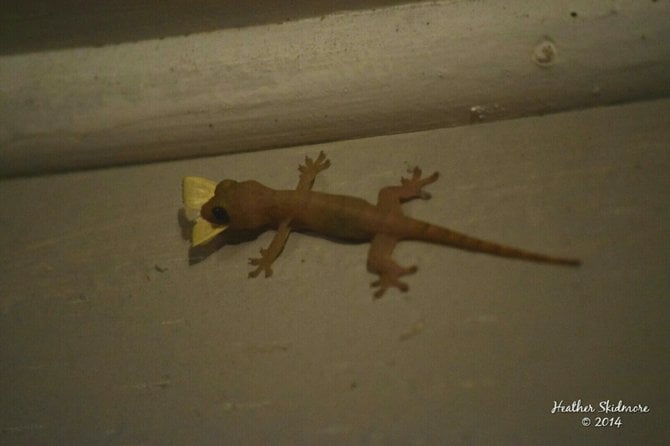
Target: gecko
pixel 251 206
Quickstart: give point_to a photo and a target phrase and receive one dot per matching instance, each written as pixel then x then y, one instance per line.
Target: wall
pixel 111 333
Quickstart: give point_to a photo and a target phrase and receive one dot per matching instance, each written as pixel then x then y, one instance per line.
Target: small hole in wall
pixel 544 53
pixel 573 14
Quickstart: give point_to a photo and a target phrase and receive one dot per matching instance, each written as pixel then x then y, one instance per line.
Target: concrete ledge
pixel 341 76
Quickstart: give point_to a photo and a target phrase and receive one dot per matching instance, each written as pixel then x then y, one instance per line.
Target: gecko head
pixel 241 206
pixel 208 211
pixel 215 210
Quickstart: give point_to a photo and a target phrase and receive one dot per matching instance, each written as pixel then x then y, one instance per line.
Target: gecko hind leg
pixel 413 187
pixel 391 197
pixel 381 248
pixel 381 263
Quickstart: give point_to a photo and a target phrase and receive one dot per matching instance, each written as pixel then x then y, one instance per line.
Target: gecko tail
pixel 437 234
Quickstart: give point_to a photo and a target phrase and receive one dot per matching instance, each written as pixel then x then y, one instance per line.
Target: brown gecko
pixel 248 205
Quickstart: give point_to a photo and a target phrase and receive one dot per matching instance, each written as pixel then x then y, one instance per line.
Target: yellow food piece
pixel 196 191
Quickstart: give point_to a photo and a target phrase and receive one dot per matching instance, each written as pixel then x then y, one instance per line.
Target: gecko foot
pixel 412 187
pixel 264 263
pixel 312 167
pixel 391 278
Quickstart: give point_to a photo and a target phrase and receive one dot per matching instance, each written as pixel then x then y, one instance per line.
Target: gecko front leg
pixel 308 173
pixel 268 256
pixel 310 170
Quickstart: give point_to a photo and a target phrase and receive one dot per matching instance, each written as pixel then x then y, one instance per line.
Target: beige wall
pixel 109 336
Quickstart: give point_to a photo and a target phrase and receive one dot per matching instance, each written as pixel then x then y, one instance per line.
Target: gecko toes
pixel 413 186
pixel 262 265
pixel 312 167
pixel 267 271
pixel 386 281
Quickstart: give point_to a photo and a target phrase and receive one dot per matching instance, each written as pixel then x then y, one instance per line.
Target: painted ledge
pixel 341 76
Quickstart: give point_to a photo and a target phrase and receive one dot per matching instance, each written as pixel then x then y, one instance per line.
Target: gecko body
pixel 249 205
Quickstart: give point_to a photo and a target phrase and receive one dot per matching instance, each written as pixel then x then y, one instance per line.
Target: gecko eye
pixel 220 215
